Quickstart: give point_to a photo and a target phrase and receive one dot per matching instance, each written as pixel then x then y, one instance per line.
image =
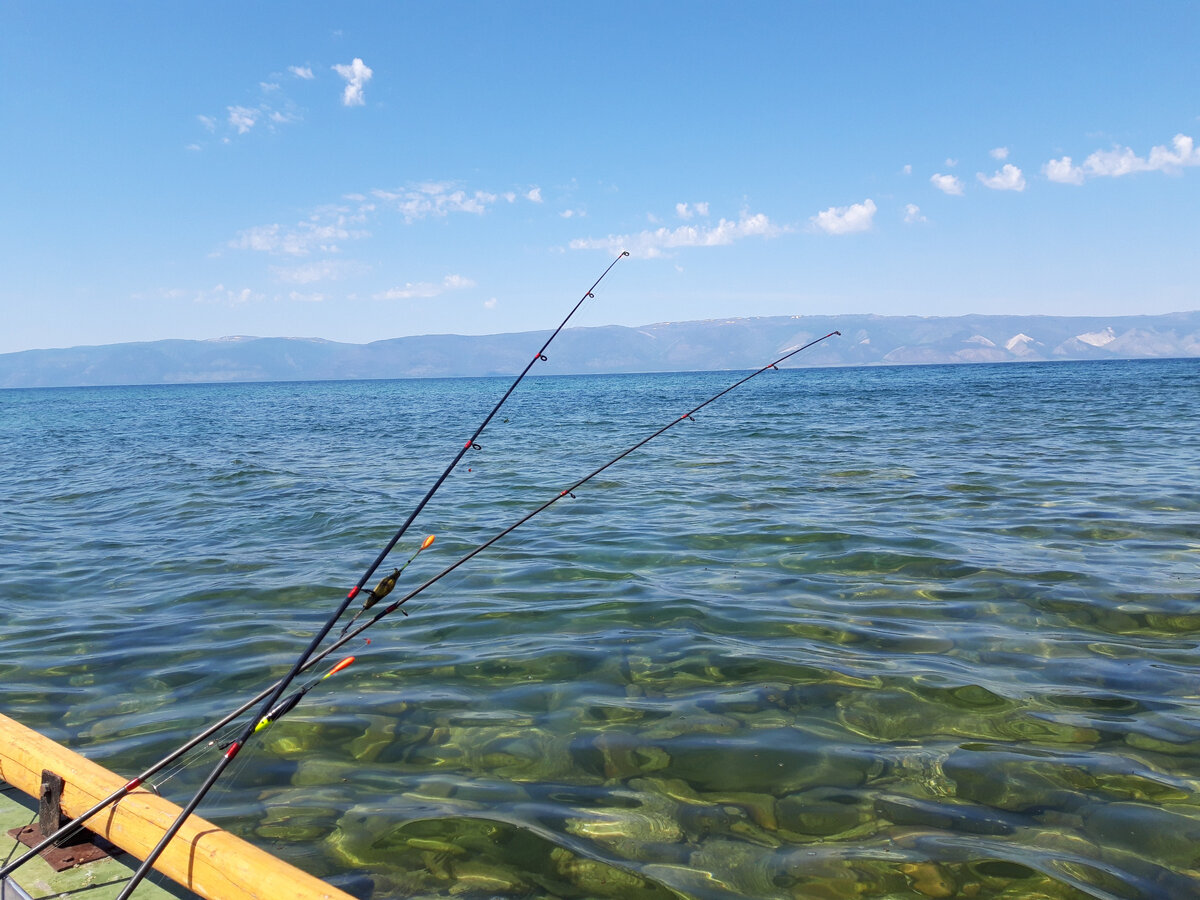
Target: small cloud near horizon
pixel 1009 178
pixel 1123 161
pixel 687 211
pixel 242 118
pixel 947 184
pixel 426 289
pixel 846 219
pixel 653 244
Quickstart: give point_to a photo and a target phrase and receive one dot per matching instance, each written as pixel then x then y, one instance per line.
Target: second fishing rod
pixel 283 683
pixel 346 637
pixel 271 695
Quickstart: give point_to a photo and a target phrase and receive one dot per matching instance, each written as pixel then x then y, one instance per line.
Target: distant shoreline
pixel 703 346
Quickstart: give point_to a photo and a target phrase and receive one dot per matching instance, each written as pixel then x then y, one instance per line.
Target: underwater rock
pixel 480 877
pixel 822 812
pixel 747 816
pixel 774 761
pixel 747 700
pixel 628 829
pixel 930 879
pixel 740 868
pixel 318 771
pixel 596 877
pixel 380 731
pixel 1017 782
pixel 969 711
pixel 1139 787
pixel 950 816
pixel 618 754
pixel 295 823
pixel 693 721
pixel 467 793
pixel 1186 745
pixel 522 755
pixel 1170 838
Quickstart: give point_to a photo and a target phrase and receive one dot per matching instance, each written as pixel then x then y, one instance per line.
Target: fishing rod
pixel 248 731
pixel 274 690
pixel 348 636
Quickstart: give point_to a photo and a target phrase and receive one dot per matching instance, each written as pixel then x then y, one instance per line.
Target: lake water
pixel 853 633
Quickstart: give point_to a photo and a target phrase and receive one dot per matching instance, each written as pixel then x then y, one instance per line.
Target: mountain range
pixel 736 343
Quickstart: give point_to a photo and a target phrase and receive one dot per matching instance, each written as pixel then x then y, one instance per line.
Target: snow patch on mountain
pixel 1098 338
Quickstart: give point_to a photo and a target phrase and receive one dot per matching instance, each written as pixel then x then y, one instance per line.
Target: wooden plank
pixel 202 857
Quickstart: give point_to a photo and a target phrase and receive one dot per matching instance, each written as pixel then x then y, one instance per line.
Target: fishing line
pixel 276 693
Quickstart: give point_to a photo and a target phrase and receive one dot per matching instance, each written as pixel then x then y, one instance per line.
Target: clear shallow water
pixel 907 632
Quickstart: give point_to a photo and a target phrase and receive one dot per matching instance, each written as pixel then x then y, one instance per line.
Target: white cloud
pixel 242 118
pixel 436 199
pixel 907 170
pixel 999 153
pixel 426 289
pixel 947 184
pixel 327 228
pixel 846 219
pixel 357 74
pixel 490 303
pixel 912 214
pixel 1009 178
pixel 321 231
pixel 304 72
pixel 1185 154
pixel 650 244
pixel 209 123
pixel 227 296
pixel 1123 161
pixel 951 163
pixel 1114 163
pixel 307 298
pixel 687 211
pixel 1063 171
pixel 320 270
pixel 534 195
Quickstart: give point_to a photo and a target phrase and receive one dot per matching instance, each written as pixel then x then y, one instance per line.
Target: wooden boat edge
pixel 202 858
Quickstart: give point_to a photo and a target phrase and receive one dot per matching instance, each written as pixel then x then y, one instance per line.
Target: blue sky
pixel 370 170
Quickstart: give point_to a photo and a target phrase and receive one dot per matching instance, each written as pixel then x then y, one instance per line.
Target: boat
pixel 202 859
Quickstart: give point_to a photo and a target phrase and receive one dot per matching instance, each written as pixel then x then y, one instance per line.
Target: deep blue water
pixel 889 632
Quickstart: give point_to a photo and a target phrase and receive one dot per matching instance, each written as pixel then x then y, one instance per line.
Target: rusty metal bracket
pixel 73 850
